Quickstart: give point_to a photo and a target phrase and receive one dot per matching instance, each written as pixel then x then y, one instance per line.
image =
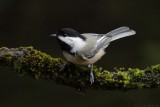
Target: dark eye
pixel 65 34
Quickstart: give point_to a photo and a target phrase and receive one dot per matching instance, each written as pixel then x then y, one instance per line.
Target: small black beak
pixel 53 35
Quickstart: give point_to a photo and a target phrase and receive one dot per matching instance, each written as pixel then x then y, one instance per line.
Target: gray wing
pixel 101 41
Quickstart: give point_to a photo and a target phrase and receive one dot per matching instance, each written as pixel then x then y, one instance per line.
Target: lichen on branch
pixel 27 60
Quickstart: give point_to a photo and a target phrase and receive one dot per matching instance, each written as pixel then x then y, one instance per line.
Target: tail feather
pixel 120 33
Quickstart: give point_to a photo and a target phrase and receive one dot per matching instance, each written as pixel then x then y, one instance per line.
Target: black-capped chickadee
pixel 87 48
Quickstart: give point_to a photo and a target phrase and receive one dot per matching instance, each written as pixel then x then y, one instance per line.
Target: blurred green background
pixel 30 22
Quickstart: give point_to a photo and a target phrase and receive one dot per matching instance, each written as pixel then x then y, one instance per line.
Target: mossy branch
pixel 26 60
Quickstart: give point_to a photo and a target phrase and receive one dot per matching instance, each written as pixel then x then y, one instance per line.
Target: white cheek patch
pixel 75 42
pixel 67 40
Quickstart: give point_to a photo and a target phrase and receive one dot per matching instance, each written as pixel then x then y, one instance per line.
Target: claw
pixel 62 67
pixel 91 73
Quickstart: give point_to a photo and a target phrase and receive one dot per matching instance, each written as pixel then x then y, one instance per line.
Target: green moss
pixel 35 63
pixel 40 65
pixel 20 66
pixel 8 56
pixel 136 72
pixel 3 48
pixel 98 71
pixel 108 75
pixel 123 78
pixel 139 85
pixel 153 68
pixel 123 75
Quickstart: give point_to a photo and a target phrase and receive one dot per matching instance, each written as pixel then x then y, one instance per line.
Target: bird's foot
pixel 91 73
pixel 62 67
pixel 91 77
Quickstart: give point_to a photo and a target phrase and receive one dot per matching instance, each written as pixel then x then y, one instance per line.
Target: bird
pixel 87 48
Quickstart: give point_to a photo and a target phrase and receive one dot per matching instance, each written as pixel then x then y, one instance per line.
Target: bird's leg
pixel 91 73
pixel 63 66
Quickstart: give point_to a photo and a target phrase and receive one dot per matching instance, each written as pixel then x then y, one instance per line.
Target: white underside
pixel 81 61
